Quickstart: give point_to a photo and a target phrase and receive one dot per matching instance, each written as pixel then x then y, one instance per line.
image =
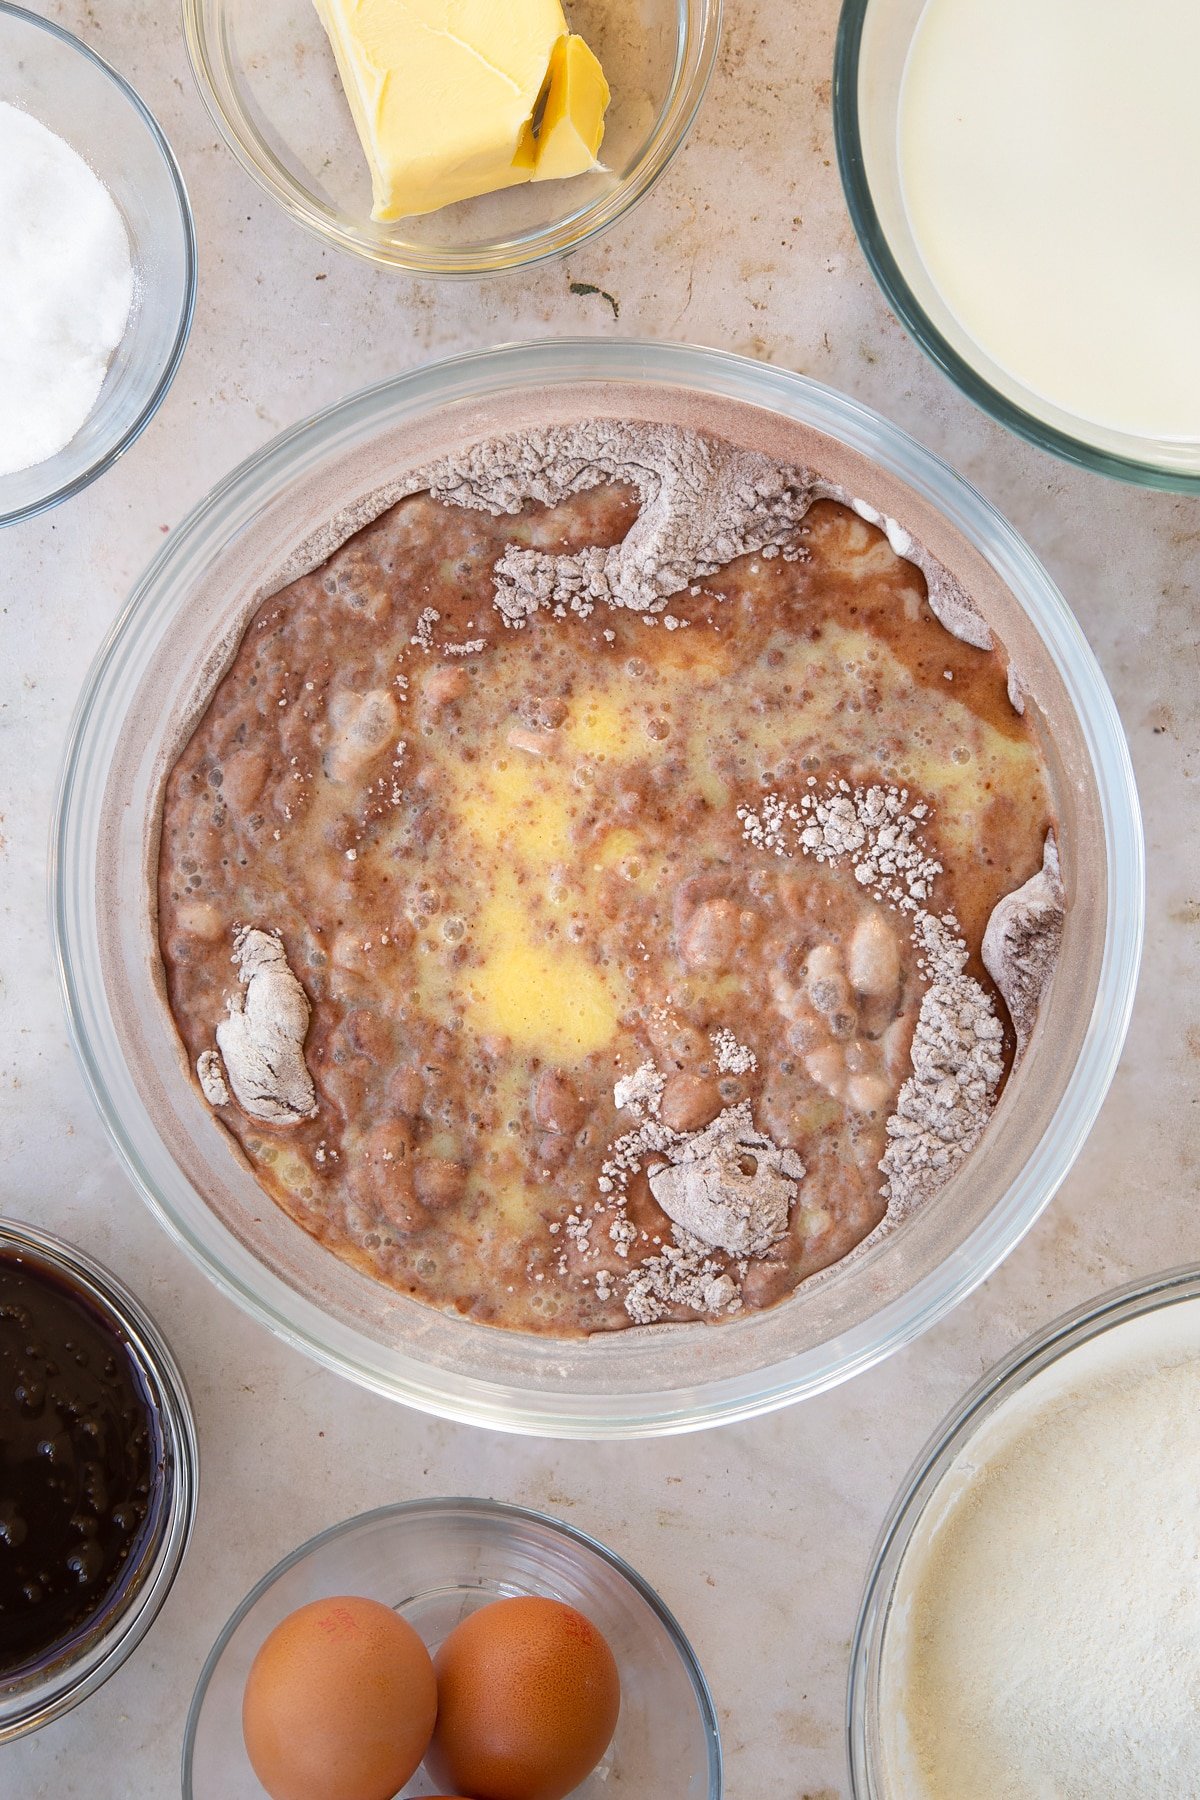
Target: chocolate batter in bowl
pixel 267 526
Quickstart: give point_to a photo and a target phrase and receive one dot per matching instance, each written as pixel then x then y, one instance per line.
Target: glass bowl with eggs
pixel 1014 190
pixel 492 960
pixel 102 277
pixel 556 1668
pixel 454 146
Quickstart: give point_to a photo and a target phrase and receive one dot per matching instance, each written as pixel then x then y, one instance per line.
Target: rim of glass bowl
pixel 66 1685
pixel 497 1509
pixel 912 315
pixel 695 60
pixel 467 378
pixel 1023 1364
pixel 158 393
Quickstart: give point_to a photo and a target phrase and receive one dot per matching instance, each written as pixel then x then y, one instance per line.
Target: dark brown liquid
pixel 80 1454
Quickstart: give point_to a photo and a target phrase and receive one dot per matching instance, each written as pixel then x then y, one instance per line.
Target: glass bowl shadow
pixel 873 42
pixel 436 1561
pixel 148 681
pixel 73 92
pixel 267 75
pixel 865 1708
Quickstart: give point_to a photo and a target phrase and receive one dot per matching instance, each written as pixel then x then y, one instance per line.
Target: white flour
pixel 1022 941
pixel 1046 1637
pixel 66 287
pixel 957 1048
pixel 261 1043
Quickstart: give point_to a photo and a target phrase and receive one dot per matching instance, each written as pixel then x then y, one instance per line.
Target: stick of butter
pixel 454 98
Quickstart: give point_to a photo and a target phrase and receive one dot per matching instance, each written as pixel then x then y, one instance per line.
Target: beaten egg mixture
pixel 507 870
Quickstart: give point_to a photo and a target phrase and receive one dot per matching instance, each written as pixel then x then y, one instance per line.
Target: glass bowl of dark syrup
pixel 97 1476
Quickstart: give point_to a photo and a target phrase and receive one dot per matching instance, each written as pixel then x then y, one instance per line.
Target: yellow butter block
pixel 572 123
pixel 454 98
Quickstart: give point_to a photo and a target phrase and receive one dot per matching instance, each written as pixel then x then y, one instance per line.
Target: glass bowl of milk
pixel 99 275
pixel 1016 173
pixel 1031 1623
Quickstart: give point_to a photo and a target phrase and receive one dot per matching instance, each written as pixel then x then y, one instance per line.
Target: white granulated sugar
pixel 66 288
pixel 1047 1620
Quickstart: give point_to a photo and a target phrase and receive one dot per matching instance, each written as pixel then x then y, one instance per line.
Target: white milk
pixel 1050 162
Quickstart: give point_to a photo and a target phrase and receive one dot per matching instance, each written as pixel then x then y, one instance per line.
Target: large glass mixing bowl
pixel 165 651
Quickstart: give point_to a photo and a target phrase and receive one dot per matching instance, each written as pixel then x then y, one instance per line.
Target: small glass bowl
pixel 267 75
pixel 46 1693
pixel 869 1778
pixel 435 1561
pixel 73 92
pixel 873 42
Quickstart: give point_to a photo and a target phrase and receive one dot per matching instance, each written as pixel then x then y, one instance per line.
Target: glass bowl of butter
pixel 454 141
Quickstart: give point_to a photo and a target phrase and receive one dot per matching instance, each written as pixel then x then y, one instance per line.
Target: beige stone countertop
pixel 758 1536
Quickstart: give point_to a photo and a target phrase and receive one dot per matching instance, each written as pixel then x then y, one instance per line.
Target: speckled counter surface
pixel 758 1537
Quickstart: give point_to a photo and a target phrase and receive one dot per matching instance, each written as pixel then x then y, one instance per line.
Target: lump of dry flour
pixel 957 1061
pixel 703 503
pixel 729 1186
pixel 1023 939
pixel 212 1078
pixel 261 1043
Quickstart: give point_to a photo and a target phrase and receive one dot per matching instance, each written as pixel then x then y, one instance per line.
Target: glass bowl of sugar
pixel 100 265
pixel 1029 1622
pixel 1015 176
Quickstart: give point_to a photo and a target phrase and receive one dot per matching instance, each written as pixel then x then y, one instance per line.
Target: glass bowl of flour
pixel 99 281
pixel 1031 1624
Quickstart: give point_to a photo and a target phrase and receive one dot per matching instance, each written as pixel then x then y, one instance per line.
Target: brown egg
pixel 339 1703
pixel 528 1697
